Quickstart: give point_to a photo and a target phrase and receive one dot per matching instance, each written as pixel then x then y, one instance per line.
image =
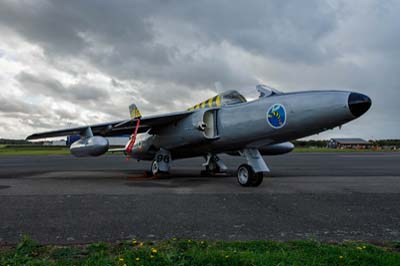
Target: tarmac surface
pixel 321 196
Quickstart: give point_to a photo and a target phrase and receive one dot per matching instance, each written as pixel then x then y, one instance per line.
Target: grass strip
pixel 11 150
pixel 189 252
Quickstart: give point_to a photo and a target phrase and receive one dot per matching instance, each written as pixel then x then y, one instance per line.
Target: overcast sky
pixel 76 62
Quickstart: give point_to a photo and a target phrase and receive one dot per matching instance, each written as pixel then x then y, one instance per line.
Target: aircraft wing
pixel 117 128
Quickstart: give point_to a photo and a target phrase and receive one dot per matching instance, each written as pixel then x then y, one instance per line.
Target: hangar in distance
pixel 226 123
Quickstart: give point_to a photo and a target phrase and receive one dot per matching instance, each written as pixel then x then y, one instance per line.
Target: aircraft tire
pixel 246 175
pixel 154 168
pixel 155 171
pixel 258 179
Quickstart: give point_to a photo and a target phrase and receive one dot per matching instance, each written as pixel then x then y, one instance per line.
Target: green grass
pixel 313 149
pixel 188 252
pixel 10 150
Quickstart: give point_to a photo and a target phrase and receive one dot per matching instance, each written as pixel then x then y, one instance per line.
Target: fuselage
pixel 257 124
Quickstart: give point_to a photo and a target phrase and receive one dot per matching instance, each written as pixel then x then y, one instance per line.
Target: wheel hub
pixel 243 175
pixel 154 168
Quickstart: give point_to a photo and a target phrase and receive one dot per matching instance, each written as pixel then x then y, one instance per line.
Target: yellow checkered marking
pixel 212 102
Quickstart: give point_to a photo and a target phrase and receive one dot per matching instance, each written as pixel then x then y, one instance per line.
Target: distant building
pixel 349 143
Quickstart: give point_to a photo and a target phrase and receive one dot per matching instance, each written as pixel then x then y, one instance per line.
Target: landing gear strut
pixel 161 163
pixel 214 165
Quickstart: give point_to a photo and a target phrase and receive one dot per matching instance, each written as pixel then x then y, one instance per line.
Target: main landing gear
pixel 161 164
pixel 247 177
pixel 214 165
pixel 252 173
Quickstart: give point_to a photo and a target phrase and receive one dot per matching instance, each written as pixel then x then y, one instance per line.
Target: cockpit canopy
pixel 230 97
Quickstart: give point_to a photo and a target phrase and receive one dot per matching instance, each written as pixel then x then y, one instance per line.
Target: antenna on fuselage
pixel 219 87
pixel 266 91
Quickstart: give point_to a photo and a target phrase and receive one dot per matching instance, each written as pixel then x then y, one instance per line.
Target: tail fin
pixel 134 111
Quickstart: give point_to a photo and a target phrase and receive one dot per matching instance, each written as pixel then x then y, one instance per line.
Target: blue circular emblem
pixel 276 116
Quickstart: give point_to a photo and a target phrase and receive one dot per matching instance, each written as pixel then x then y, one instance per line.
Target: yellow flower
pixel 141 244
pixel 124 264
pixel 364 247
pixel 121 259
pixel 151 257
pixel 341 257
pixel 174 238
pixel 202 242
pixel 189 241
pixel 137 259
pixel 134 241
pixel 153 250
pixel 359 248
pixel 227 257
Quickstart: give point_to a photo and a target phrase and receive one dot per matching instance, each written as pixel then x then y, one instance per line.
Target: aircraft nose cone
pixel 359 103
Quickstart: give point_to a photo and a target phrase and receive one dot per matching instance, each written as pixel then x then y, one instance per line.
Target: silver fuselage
pixel 245 125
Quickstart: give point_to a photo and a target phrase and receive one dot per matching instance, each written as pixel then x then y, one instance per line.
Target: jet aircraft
pixel 226 123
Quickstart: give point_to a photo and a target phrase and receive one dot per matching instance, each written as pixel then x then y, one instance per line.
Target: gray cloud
pixel 60 26
pixel 288 30
pixel 117 37
pixel 9 106
pixel 21 114
pixel 47 86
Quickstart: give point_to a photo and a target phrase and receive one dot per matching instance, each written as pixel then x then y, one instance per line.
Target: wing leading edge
pixel 117 128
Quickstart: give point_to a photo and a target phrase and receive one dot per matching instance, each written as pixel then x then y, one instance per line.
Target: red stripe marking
pixel 133 137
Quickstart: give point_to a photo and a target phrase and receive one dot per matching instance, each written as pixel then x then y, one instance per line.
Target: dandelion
pixel 124 264
pixel 359 248
pixel 227 257
pixel 174 238
pixel 141 244
pixel 134 241
pixel 153 250
pixel 189 241
pixel 151 257
pixel 364 247
pixel 341 257
pixel 137 259
pixel 121 259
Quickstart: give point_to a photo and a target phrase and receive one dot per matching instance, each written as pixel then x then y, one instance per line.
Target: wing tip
pixel 30 137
